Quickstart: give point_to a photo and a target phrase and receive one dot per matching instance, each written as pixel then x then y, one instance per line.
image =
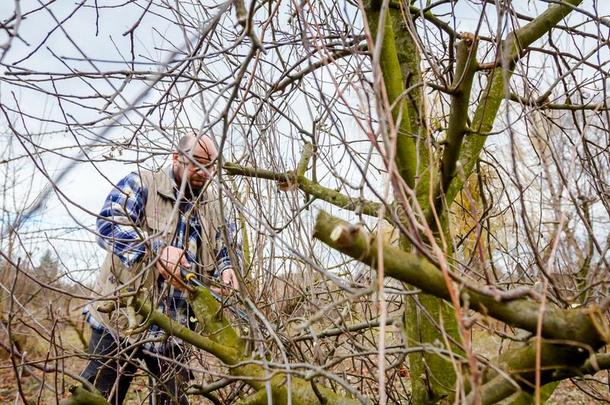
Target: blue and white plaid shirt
pixel 127 201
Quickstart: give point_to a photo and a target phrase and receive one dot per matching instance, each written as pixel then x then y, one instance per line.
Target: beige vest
pixel 160 222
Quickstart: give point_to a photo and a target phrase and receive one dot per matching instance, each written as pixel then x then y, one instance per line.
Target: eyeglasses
pixel 198 166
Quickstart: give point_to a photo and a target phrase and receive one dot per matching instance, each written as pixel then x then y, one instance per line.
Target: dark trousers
pixel 114 364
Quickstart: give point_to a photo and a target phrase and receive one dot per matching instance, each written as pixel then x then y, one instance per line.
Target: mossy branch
pixel 223 341
pixel 466 67
pixel 579 325
pixel 406 151
pixel 409 58
pixel 509 53
pixel 258 398
pixel 80 396
pixel 520 365
pixel 308 152
pixel 216 325
pixel 228 354
pixel 558 362
pixel 316 190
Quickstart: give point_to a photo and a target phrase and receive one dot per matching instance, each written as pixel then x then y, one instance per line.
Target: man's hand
pixel 168 265
pixel 229 278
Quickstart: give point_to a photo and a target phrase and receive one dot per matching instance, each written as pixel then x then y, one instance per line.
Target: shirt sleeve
pixel 120 219
pixel 223 258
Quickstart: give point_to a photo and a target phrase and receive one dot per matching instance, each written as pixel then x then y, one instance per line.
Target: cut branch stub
pixel 308 151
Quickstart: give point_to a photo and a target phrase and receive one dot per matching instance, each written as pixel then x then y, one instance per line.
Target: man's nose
pixel 196 169
pixel 202 172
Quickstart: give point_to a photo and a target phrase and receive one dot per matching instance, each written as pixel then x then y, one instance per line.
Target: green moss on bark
pixel 406 153
pixel 496 90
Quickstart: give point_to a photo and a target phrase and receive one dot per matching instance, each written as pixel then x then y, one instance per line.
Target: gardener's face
pixel 201 169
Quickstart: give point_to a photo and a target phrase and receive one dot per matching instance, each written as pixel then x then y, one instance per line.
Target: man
pixel 151 225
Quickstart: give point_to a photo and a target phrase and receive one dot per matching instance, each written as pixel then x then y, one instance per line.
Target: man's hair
pixel 186 142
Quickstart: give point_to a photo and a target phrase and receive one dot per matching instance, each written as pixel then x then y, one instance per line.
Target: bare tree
pixel 455 155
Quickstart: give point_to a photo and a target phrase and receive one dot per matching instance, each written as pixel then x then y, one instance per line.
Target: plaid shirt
pixel 127 201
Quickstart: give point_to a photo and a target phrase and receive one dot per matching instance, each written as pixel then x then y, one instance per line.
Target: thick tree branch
pixel 408 52
pixel 232 351
pixel 226 352
pixel 406 152
pixel 586 326
pixel 466 67
pixel 559 360
pixel 509 53
pixel 316 190
pixel 417 328
pixel 80 396
pixel 308 151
